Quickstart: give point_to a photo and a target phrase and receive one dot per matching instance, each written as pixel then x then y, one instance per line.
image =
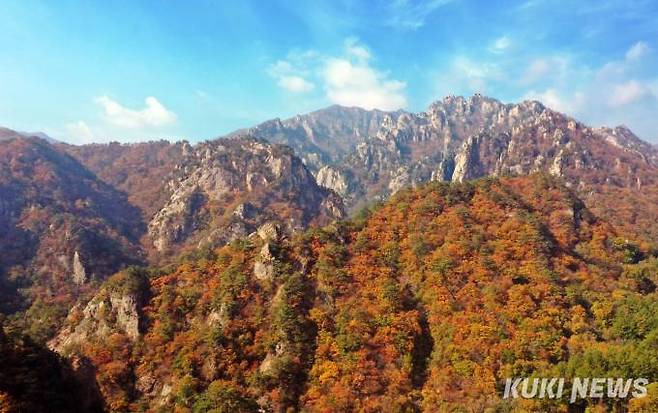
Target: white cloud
pixel 538 69
pixel 153 114
pixel 529 4
pixel 653 86
pixel 501 45
pixel 79 133
pixel 617 92
pixel 549 98
pixel 280 68
pixel 295 84
pixel 354 84
pixel 347 79
pixel 291 74
pixel 628 92
pixel 637 51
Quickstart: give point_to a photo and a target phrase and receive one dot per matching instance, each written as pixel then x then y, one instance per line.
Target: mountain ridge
pixel 459 138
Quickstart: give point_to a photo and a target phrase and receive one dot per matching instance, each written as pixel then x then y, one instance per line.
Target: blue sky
pixel 132 70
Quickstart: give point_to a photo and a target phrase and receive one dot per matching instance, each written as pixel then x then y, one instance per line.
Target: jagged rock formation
pixel 264 264
pixel 115 308
pixel 65 224
pixel 226 189
pixel 96 322
pixel 366 156
pixel 459 138
pixel 72 215
pixel 322 137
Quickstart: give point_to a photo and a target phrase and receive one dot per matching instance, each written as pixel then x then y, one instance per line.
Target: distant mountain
pixel 10 134
pixel 461 138
pixel 365 156
pixel 40 135
pixel 321 137
pixel 151 201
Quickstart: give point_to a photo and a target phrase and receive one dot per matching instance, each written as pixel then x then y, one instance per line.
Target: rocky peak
pixel 221 173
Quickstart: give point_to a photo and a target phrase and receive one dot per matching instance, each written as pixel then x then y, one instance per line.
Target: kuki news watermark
pixel 575 389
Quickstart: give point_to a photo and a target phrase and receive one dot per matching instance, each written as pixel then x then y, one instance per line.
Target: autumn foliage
pixel 425 303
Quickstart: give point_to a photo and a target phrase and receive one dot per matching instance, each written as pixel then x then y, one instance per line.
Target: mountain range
pixel 157 199
pixel 285 231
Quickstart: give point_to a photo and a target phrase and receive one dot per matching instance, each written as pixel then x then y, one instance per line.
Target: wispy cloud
pixel 500 45
pixel 637 51
pixel 154 114
pixel 529 4
pixel 356 49
pixel 412 15
pixel 618 91
pixel 555 100
pixel 295 84
pixel 465 75
pixel 545 68
pixel 628 92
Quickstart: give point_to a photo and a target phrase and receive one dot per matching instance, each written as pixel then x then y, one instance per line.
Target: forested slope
pixel 425 303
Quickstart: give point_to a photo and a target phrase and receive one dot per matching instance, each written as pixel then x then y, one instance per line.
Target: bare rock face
pixel 400 179
pixel 79 273
pixel 113 309
pixel 215 175
pixel 127 317
pixel 264 264
pixel 466 161
pixel 269 231
pixel 331 178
